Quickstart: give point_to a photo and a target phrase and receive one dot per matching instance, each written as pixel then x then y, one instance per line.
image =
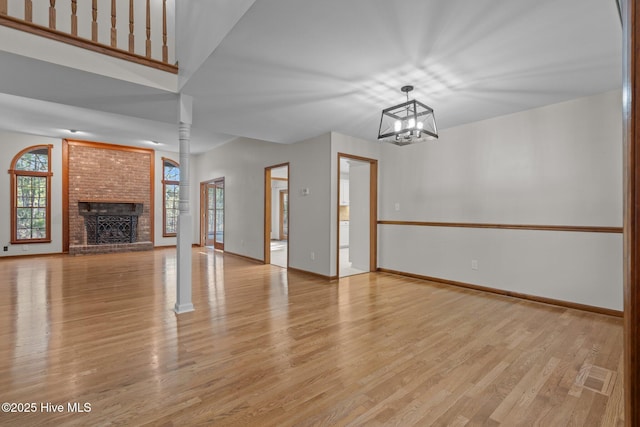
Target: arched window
pixel 171 191
pixel 31 195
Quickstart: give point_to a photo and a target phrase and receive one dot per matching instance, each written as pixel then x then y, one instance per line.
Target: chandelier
pixel 407 123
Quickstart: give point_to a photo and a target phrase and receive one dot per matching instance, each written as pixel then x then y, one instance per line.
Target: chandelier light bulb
pixel 412 123
pixel 420 125
pixel 397 125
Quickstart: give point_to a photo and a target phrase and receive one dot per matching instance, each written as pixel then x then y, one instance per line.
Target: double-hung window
pixel 171 192
pixel 31 195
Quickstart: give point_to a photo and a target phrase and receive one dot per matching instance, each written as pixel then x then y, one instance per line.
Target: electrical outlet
pixel 397 206
pixel 474 264
pixel 25 247
pixel 313 256
pixel 6 248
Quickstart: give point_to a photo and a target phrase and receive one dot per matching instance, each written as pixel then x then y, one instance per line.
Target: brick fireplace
pixel 110 202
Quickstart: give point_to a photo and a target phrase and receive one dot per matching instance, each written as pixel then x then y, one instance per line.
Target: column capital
pixel 184 132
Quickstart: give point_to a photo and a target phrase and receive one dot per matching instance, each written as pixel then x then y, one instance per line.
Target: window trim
pixel 164 195
pixel 14 193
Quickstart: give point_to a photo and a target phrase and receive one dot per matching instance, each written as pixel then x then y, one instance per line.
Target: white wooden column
pixel 185 219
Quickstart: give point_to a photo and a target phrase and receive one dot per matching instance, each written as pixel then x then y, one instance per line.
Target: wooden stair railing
pixel 110 47
pixel 28 11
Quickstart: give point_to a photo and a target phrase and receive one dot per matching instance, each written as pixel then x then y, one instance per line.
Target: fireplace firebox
pixel 108 223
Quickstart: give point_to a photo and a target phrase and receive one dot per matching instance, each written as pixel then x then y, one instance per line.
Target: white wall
pixel 560 164
pixel 310 216
pixel 201 26
pixel 585 268
pixel 242 163
pixel 12 144
pixel 556 165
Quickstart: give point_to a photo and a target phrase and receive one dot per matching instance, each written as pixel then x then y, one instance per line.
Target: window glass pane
pixel 31 207
pixel 23 234
pixel 210 198
pixel 39 214
pixel 35 161
pixel 219 198
pixel 31 191
pixel 219 213
pixel 172 223
pixel 211 224
pixel 171 206
pixel 171 172
pixel 24 218
pixel 171 177
pixel 24 192
pixel 219 226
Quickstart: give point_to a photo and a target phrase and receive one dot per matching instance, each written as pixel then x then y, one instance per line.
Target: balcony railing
pixel 111 27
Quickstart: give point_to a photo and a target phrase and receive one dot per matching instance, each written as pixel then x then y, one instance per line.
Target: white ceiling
pixel 292 69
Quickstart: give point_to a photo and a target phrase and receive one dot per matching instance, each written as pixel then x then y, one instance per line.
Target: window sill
pixel 28 242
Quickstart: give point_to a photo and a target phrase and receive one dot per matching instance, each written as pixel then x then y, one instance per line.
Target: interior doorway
pixel 357 215
pixel 212 213
pixel 276 215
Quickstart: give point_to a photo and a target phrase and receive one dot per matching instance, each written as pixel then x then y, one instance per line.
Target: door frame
pixel 630 18
pixel 373 211
pixel 203 211
pixel 267 211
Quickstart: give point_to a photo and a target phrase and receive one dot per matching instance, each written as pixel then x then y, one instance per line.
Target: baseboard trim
pixel 248 258
pixel 193 245
pixel 49 254
pixel 309 273
pixel 534 298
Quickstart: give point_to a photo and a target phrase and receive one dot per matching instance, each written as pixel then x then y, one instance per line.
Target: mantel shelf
pixel 120 202
pixel 110 207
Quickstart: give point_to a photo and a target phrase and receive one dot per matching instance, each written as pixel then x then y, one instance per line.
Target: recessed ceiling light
pixel 69 132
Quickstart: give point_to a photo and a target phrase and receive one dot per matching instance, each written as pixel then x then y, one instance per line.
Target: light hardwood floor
pixel 267 348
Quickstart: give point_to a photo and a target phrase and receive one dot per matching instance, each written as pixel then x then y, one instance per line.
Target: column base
pixel 183 308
